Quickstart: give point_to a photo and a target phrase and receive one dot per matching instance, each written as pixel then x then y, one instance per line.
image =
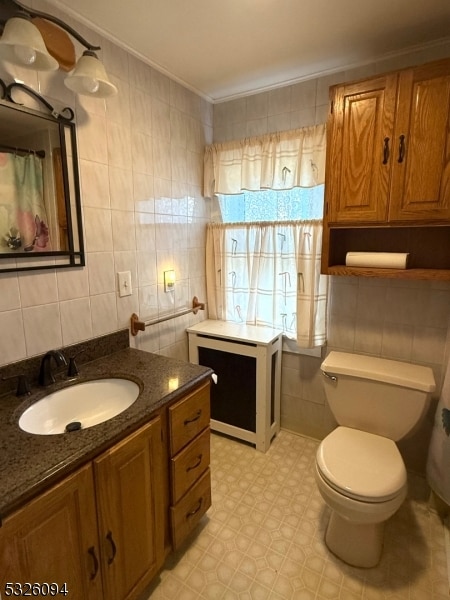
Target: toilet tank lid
pixel 380 369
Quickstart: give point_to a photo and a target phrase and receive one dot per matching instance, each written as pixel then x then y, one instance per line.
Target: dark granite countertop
pixel 29 463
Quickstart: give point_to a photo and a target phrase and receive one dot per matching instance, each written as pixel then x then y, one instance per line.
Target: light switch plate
pixel 124 283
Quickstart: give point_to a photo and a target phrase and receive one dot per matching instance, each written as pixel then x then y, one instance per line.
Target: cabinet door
pixel 421 165
pixel 360 131
pixel 130 512
pixel 53 539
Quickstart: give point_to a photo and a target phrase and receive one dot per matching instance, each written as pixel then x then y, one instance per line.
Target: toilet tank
pixel 377 395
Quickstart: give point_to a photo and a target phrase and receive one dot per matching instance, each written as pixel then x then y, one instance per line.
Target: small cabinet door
pixel 53 540
pixel 359 146
pixel 421 152
pixel 129 490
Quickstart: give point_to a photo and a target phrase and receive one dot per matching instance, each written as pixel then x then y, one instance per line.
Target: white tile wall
pixel 140 161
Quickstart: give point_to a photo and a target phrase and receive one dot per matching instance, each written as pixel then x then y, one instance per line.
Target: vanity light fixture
pixel 30 42
pixel 169 281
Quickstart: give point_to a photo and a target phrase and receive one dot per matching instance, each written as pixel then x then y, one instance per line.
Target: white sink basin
pixel 79 406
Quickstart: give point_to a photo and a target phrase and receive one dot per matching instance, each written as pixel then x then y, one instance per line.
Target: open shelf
pixel 436 274
pixel 428 247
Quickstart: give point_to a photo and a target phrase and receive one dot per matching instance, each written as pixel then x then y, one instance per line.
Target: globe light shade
pixel 89 78
pixel 22 44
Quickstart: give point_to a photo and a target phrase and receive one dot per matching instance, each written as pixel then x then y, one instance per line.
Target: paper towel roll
pixel 384 260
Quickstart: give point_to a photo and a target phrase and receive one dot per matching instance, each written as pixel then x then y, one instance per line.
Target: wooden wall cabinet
pixel 99 531
pixel 388 166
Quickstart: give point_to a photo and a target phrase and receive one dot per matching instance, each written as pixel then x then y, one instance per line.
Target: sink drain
pixel 74 426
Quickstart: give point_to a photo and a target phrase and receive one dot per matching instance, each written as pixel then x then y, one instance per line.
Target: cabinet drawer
pixel 189 465
pixel 188 418
pixel 185 515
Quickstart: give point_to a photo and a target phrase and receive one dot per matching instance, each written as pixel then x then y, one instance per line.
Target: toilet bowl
pixel 359 470
pixel 362 478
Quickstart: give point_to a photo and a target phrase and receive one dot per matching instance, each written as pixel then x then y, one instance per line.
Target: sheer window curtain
pixel 268 273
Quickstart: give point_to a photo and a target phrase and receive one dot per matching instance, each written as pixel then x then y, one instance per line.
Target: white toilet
pixel 359 470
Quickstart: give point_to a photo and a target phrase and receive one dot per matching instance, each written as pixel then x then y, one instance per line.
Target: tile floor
pixel 263 537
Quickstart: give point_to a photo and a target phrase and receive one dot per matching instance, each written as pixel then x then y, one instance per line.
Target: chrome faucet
pixel 46 376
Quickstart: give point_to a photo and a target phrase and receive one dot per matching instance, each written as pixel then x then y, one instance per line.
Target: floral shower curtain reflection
pixel 23 215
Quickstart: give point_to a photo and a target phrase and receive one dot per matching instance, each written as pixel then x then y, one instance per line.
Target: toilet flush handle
pixel 328 376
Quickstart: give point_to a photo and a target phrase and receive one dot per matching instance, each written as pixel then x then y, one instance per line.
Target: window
pixel 297 204
pixel 263 259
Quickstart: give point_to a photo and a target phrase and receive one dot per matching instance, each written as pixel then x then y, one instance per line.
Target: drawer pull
pixel 196 418
pixel 91 552
pixel 197 464
pixel 401 149
pixel 196 509
pixel 109 537
pixel 386 151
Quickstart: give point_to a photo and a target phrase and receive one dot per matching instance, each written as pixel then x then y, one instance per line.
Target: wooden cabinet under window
pixel 388 171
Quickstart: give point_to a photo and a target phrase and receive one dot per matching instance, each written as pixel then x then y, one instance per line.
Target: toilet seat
pixel 361 465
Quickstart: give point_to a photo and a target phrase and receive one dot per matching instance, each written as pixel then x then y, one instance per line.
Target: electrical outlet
pixel 124 283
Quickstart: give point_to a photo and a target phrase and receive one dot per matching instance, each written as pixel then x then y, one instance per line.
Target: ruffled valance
pixel 277 161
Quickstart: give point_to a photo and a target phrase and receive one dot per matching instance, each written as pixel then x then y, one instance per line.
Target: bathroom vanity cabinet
pixel 98 529
pixel 105 530
pixel 189 440
pixel 388 171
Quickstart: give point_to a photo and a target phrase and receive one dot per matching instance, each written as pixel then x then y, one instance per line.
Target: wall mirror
pixel 40 208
